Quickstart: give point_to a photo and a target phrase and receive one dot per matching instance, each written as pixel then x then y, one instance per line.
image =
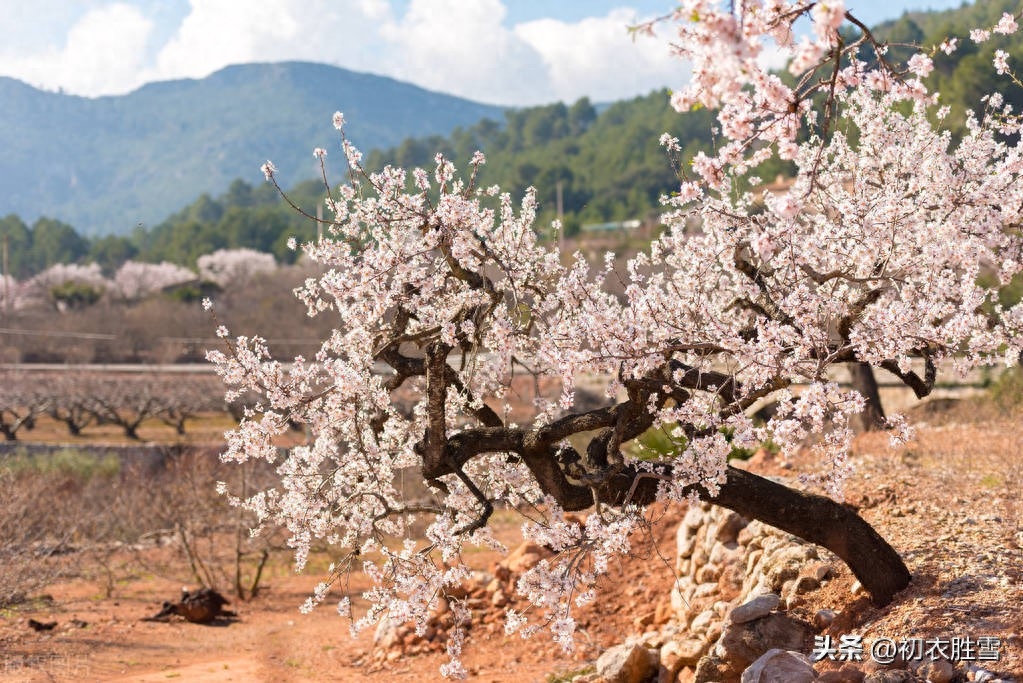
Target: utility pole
pixel 6 268
pixel 319 222
pixel 561 218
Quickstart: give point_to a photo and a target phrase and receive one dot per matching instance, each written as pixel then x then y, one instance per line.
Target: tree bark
pixel 823 521
pixel 863 380
pixel 811 517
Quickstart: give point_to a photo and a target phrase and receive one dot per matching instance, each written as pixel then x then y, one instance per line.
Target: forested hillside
pixel 111 163
pixel 609 165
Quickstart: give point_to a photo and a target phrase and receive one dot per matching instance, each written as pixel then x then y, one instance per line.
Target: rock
pixel 708 573
pixel 818 570
pixel 823 618
pixel 805 584
pixel 663 612
pixel 675 655
pixel 643 621
pixel 678 603
pixel 705 590
pixel 754 609
pixel 979 674
pixel 725 552
pixel 847 674
pixel 752 559
pixel 891 676
pixel 937 671
pixel 627 664
pixel 712 669
pixel 722 608
pixel 730 527
pixel 897 662
pixel 386 635
pixel 526 556
pixel 779 666
pixel 679 653
pixel 703 621
pixel 785 563
pixel 693 520
pixel 742 644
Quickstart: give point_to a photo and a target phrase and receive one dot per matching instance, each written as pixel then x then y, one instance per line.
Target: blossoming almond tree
pixel 441 292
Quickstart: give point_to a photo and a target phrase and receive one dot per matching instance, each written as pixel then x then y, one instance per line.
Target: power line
pixel 54 333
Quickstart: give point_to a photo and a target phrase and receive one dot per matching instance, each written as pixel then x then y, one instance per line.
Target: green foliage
pixel 71 463
pixel 19 243
pixel 75 294
pixel 610 165
pixel 966 75
pixel 111 252
pixel 1006 392
pixel 193 292
pixel 659 444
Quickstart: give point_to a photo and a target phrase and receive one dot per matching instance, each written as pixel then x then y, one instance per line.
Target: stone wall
pixel 730 621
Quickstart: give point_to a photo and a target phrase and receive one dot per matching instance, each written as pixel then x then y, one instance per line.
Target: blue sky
pixel 513 52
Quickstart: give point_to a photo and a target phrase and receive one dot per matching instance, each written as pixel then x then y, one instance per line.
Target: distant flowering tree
pixel 872 256
pixel 13 294
pixel 135 280
pixel 68 285
pixel 228 267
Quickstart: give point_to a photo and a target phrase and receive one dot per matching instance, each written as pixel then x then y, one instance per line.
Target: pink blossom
pixel 1001 61
pixel 1006 25
pixel 232 267
pixel 921 65
pixel 827 17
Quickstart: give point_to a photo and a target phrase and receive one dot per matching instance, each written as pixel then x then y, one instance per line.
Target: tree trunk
pixel 863 380
pixel 811 517
pixel 820 520
pixel 814 518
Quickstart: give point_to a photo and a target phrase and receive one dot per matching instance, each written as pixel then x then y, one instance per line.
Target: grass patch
pixel 991 481
pixel 1006 392
pixel 65 462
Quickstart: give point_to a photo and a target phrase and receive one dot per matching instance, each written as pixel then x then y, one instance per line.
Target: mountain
pixel 108 164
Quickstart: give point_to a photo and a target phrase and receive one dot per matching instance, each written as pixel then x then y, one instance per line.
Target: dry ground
pixel 949 501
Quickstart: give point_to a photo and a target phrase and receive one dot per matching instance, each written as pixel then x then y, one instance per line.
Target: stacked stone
pixel 730 620
pixel 485 595
pixel 733 576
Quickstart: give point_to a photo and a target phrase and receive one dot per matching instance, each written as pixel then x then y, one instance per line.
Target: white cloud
pixel 597 57
pixel 217 33
pixel 463 48
pixel 104 52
